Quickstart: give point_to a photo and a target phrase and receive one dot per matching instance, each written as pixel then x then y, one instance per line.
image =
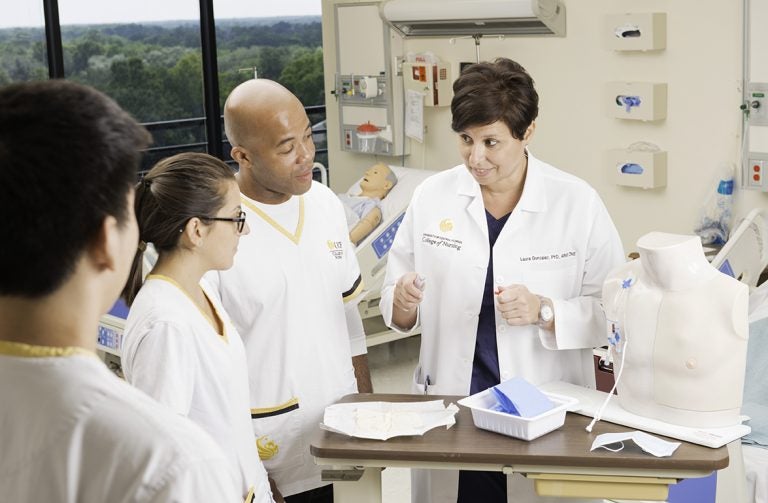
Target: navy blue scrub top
pixel 485 368
pixel 488 487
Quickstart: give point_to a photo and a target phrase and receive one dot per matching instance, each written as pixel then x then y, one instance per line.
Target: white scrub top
pixel 75 433
pixel 291 294
pixel 559 242
pixel 172 352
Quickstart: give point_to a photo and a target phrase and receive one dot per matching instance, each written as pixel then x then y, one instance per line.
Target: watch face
pixel 546 313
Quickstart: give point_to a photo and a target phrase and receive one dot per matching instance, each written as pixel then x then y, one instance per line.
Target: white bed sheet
pixel 756 471
pixel 756 457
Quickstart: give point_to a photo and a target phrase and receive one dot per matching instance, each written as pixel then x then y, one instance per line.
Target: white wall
pixel 701 65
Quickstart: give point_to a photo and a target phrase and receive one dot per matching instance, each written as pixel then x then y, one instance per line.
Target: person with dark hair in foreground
pixel 501 262
pixel 71 430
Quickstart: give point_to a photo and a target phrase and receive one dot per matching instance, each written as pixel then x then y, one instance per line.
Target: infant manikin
pixel 683 327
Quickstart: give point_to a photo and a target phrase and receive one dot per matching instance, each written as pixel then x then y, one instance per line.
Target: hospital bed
pixel 109 339
pixel 745 257
pixel 372 251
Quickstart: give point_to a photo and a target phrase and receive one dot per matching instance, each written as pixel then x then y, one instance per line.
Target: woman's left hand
pixel 517 305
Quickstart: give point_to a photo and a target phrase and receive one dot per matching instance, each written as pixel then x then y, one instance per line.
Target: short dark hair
pixel 175 190
pixel 68 158
pixel 487 92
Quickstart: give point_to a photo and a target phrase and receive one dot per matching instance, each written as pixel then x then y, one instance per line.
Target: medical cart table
pixel 560 462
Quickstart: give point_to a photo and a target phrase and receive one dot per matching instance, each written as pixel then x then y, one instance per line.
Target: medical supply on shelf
pixel 366 136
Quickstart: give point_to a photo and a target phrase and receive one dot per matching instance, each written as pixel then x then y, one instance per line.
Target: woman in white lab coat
pixel 500 262
pixel 179 345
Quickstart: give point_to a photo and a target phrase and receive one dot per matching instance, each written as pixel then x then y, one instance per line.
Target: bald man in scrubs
pixel 293 290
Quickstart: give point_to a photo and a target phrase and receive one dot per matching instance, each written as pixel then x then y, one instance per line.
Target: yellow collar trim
pixel 172 281
pixel 10 348
pixel 296 236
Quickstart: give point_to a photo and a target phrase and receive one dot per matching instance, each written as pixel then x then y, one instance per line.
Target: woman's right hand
pixel 408 292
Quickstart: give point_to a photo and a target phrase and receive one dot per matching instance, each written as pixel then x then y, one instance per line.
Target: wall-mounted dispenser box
pixel 645 101
pixel 433 80
pixel 637 32
pixel 637 168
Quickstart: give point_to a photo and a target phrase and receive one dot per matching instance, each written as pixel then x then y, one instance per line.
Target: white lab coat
pixel 559 242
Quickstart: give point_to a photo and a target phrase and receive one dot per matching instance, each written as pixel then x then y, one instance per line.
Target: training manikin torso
pixel 685 328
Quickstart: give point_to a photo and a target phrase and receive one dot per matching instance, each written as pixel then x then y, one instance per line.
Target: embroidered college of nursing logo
pixel 336 249
pixel 446 225
pixel 268 449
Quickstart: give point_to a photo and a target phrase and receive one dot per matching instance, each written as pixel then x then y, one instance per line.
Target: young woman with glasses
pixel 179 345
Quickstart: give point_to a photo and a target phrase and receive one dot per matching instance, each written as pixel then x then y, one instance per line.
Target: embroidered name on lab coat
pixel 549 256
pixel 441 241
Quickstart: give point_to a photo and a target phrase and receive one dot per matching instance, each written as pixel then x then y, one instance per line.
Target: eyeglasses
pixel 239 220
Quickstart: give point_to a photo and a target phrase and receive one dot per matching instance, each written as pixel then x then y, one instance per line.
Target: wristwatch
pixel 546 313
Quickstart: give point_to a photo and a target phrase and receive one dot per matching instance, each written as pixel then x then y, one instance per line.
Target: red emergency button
pixel 756 168
pixel 756 177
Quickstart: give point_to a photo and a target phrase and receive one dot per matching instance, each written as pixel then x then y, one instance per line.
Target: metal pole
pixel 210 80
pixel 746 46
pixel 53 43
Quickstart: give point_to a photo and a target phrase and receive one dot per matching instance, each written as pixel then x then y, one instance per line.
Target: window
pixel 147 56
pixel 22 42
pixel 281 41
